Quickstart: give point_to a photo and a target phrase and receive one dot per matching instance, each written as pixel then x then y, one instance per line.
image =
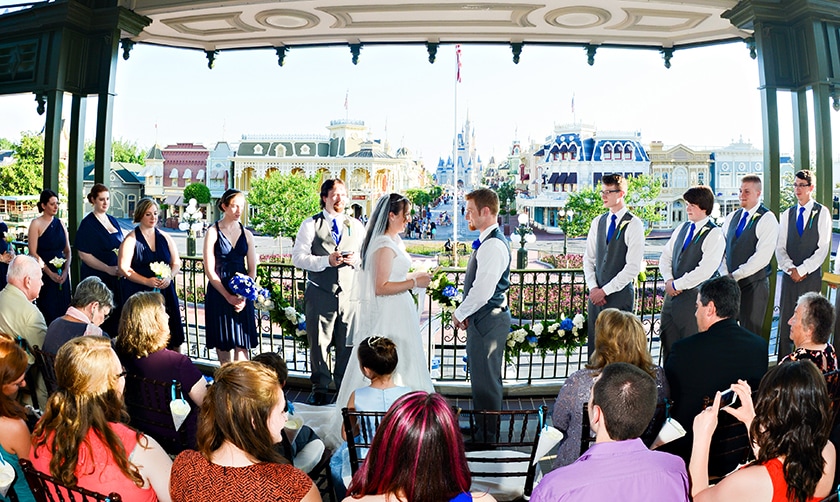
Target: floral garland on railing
pixel 292 322
pixel 565 334
pixel 443 291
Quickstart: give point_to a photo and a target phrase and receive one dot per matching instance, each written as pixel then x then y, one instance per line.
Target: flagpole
pixel 455 159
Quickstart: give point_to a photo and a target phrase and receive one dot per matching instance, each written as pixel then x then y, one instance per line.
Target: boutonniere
pixel 347 225
pixel 701 232
pixel 813 213
pixel 620 228
pixel 476 243
pixel 754 217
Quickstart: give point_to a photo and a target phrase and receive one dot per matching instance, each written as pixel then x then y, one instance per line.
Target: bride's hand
pixel 423 279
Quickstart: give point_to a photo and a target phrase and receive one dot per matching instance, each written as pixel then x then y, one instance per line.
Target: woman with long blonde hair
pixel 82 438
pixel 619 338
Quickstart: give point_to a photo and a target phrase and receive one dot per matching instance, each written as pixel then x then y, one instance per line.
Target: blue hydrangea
pixel 531 339
pixel 449 291
pixel 302 326
pixel 567 324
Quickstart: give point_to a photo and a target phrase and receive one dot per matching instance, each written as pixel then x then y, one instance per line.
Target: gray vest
pixel 333 279
pixel 611 258
pixel 739 249
pixel 800 248
pixel 498 299
pixel 684 261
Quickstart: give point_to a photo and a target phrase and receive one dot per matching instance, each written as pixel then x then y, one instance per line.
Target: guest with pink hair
pixel 417 455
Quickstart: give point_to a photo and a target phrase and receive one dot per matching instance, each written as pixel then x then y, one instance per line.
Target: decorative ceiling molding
pixel 431 14
pixel 578 18
pixel 227 23
pixel 636 19
pixel 287 19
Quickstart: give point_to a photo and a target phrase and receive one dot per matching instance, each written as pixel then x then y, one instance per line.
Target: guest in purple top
pixel 619 466
pixel 141 346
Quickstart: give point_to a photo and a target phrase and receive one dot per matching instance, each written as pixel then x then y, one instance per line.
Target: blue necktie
pixel 800 221
pixel 611 230
pixel 740 229
pixel 689 236
pixel 336 235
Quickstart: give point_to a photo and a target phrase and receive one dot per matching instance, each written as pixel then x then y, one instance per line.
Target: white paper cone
pixel 180 409
pixel 293 425
pixel 7 477
pixel 549 438
pixel 670 431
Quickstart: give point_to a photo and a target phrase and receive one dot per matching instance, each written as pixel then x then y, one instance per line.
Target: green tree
pixel 282 202
pixel 506 191
pixel 419 197
pixel 6 144
pixel 586 204
pixel 197 191
pixel 26 175
pixel 786 197
pixel 121 151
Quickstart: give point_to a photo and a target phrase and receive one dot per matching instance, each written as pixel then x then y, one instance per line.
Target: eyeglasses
pixel 801 185
pixel 607 192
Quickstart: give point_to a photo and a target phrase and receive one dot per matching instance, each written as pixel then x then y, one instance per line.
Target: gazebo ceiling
pixel 220 25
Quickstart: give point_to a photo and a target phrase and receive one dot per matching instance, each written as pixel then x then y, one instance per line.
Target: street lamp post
pixel 525 236
pixel 565 218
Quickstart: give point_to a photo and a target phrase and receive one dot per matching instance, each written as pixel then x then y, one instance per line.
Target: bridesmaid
pixel 47 240
pixel 146 245
pixel 98 241
pixel 231 322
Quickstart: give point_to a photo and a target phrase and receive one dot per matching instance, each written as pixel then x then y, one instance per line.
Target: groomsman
pixel 691 256
pixel 751 235
pixel 484 311
pixel 804 243
pixel 326 247
pixel 613 256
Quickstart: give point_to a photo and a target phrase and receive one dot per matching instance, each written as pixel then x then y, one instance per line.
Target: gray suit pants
pixel 325 327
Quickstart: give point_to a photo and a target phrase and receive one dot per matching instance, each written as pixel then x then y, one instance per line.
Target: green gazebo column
pixel 802 151
pixel 771 182
pixel 52 138
pixel 75 175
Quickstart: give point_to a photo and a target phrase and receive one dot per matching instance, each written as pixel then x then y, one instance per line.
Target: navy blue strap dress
pixel 54 298
pixel 4 246
pixel 227 329
pixel 93 238
pixel 141 264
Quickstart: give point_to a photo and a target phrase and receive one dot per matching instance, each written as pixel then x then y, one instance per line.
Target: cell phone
pixel 728 398
pixel 346 253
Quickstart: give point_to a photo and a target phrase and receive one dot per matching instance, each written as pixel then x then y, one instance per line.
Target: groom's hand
pixel 460 324
pixel 336 259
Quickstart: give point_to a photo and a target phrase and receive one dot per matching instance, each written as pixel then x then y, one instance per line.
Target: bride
pixel 385 306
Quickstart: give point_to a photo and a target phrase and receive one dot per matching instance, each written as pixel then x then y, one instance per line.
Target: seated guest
pixel 306 449
pixel 416 455
pixel 241 420
pixel 618 466
pixel 720 354
pixel 141 346
pixel 15 441
pixel 619 337
pixel 789 427
pixel 83 440
pixel 378 359
pixel 90 306
pixel 810 328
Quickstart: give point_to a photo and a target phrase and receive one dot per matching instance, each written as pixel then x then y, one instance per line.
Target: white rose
pixel 554 327
pixel 578 321
pixel 537 328
pixel 511 343
pixel 291 313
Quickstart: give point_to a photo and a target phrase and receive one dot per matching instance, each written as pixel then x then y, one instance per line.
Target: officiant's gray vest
pixel 333 279
pixel 498 299
pixel 684 261
pixel 611 258
pixel 800 248
pixel 740 249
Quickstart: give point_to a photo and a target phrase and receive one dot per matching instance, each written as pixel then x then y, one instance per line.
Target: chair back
pixel 501 449
pixel 586 437
pixel 832 381
pixel 46 365
pixel 46 488
pixel 359 429
pixel 147 401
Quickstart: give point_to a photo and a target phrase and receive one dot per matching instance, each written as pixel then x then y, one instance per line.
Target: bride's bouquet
pixel 246 287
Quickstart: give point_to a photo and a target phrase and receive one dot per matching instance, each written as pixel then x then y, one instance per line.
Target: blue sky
pixel 709 97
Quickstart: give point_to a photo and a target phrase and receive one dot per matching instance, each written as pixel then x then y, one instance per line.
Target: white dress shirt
pixel 713 247
pixel 635 239
pixel 302 256
pixel 815 261
pixel 767 232
pixel 493 259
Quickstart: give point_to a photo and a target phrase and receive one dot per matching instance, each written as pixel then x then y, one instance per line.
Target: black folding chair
pixel 46 488
pixel 147 402
pixel 359 429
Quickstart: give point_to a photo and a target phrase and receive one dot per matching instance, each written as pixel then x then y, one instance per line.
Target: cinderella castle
pixel 470 167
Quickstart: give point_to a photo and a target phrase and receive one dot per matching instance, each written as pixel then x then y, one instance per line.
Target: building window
pixel 628 152
pixel 608 152
pixel 680 178
pixel 664 180
pixel 258 150
pixel 187 174
pixel 701 178
pixel 131 201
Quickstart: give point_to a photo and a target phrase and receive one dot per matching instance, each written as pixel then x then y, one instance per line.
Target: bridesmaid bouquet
pixel 162 270
pixel 58 262
pixel 246 287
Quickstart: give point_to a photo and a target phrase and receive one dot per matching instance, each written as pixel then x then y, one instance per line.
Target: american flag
pixel 458 60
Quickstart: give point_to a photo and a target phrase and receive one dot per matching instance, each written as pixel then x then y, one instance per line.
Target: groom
pixel 326 247
pixel 484 312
